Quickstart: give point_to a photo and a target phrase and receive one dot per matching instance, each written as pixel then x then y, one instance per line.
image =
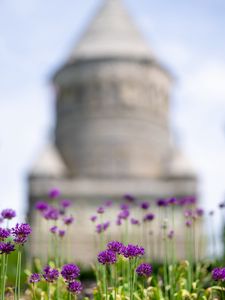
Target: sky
pixel 36 36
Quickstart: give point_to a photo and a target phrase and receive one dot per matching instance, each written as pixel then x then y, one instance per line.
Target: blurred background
pixel 35 38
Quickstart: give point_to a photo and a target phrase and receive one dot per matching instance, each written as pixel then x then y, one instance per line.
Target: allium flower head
pixel 118 222
pixel 106 225
pixel 145 205
pixel 75 287
pixel 218 274
pixel 144 270
pixel 54 229
pixel 68 220
pixel 51 213
pixel 114 246
pixel 61 233
pixel 199 212
pixel 41 206
pixel 70 272
pixel 149 217
pixel 188 213
pixel 54 193
pixel 101 210
pixel 93 218
pixel 65 203
pixel 172 201
pixel 6 248
pixel 188 223
pixel 107 257
pixel 124 214
pixel 161 202
pixel 171 234
pixel 129 198
pixel 21 232
pixel 124 206
pixel 132 251
pixel 134 221
pixel 50 274
pixel 4 233
pixel 108 203
pixel 8 213
pixel 34 278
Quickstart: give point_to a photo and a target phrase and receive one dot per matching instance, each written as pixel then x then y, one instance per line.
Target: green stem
pixel 115 281
pixel 106 285
pixel 18 274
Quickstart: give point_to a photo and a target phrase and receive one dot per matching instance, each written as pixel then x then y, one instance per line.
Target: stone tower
pixel 112 133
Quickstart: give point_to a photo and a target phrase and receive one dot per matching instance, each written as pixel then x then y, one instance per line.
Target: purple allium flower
pixel 118 222
pixel 21 232
pixel 199 212
pixel 129 198
pixel 106 225
pixel 70 272
pixel 114 246
pixel 75 287
pixel 161 202
pixel 149 217
pixel 34 278
pixel 191 200
pixel 93 218
pixel 4 233
pixel 124 206
pixel 171 234
pixel 8 213
pixel 132 251
pixel 54 193
pixel 108 203
pixel 61 233
pixel 144 270
pixel 134 221
pixel 41 206
pixel 101 210
pixel 188 223
pixel 107 257
pixel 50 274
pixel 65 203
pixel 188 213
pixel 145 205
pixel 6 248
pixel 99 228
pixel 218 274
pixel 51 213
pixel 172 201
pixel 68 220
pixel 54 229
pixel 124 214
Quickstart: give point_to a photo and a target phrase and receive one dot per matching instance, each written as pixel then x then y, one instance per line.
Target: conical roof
pixel 111 33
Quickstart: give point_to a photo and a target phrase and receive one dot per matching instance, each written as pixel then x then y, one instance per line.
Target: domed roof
pixel 111 33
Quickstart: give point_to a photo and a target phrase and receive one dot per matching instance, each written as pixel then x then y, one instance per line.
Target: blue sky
pixel 35 38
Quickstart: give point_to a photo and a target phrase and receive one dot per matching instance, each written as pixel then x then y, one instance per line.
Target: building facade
pixel 112 133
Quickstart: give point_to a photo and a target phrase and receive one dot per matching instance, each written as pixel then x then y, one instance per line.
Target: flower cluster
pixel 6 248
pixel 70 272
pixel 21 232
pixel 8 213
pixel 218 274
pixel 114 246
pixel 50 274
pixel 34 278
pixel 131 251
pixel 4 233
pixel 107 257
pixel 144 269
